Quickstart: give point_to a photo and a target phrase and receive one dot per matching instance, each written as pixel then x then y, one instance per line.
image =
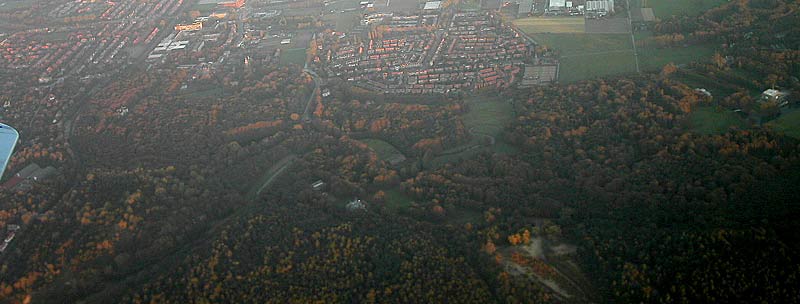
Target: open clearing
pixel 551 25
pixel 486 119
pixel 488 116
pixel 714 120
pixel 788 124
pixel 384 149
pixel 397 200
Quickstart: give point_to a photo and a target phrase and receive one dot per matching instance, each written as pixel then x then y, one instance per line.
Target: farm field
pixel 551 25
pixel 788 124
pixel 709 120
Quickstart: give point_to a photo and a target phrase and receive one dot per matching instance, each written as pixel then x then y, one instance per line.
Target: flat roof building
pixel 432 5
pixel 42 174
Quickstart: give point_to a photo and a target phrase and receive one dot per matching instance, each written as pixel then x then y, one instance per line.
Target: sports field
pixel 551 24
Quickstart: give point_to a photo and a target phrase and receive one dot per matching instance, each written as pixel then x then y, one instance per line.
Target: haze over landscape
pixel 399 151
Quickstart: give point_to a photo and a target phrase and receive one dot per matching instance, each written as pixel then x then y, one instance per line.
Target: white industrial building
pixel 432 5
pixel 600 6
pixel 557 4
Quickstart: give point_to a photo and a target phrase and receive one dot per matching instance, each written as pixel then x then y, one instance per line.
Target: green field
pixel 384 149
pixel 788 124
pixel 654 59
pixel 577 44
pixel 551 24
pixel 666 8
pixel 585 56
pixel 295 56
pixel 488 116
pixel 590 66
pixel 396 200
pixel 696 80
pixel 714 120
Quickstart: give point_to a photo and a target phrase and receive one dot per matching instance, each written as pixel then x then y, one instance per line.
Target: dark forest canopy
pixel 602 190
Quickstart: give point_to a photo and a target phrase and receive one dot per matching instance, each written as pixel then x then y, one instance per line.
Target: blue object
pixel 8 140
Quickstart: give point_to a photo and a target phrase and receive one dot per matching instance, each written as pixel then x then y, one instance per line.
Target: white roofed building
pixel 432 5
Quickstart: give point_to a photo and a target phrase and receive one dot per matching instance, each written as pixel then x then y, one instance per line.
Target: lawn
pixel 788 124
pixel 296 56
pixel 714 120
pixel 384 149
pixel 666 8
pixel 551 25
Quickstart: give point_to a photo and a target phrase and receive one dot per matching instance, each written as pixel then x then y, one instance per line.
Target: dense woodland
pixel 162 203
